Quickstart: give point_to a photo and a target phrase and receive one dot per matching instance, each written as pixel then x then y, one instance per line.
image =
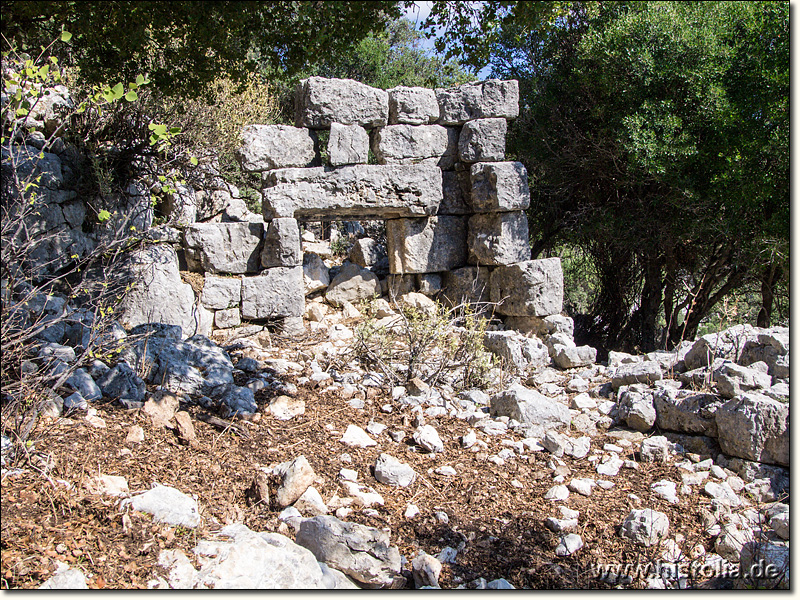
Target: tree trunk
pixel 769 279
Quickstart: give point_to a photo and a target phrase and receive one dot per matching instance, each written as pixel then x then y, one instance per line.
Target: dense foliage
pixel 656 135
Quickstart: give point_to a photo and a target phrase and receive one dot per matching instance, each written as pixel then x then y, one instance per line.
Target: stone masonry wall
pixel 454 209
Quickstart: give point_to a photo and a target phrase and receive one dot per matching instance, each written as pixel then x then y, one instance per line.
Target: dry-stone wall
pixel 454 209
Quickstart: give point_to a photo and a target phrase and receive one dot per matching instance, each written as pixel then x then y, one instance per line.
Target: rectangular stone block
pixel 456 190
pixel 479 100
pixel 363 191
pixel 320 102
pixel 268 147
pixel 223 247
pixel 282 244
pixel 483 140
pixel 499 186
pixel 426 245
pixel 530 288
pixel 221 292
pixel 467 284
pixel 414 144
pixel 225 319
pixel 277 292
pixel 348 145
pixel 498 238
pixel 412 105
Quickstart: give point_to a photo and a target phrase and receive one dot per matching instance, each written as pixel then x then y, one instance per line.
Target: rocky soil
pixel 468 497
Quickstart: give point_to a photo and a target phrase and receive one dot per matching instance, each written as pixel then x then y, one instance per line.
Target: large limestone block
pixel 413 144
pixel 221 292
pixel 531 288
pixel 456 190
pixel 223 247
pixel 282 244
pixel 686 411
pixel 467 284
pixel 158 294
pixel 499 186
pixel 277 292
pixel 363 191
pixel 531 408
pixel 728 344
pixel 498 238
pixel 320 102
pixel 483 140
pixel 412 105
pixel 479 100
pixel 754 427
pixel 315 273
pixel 542 327
pixel 348 145
pixel 268 147
pixel 426 245
pixel 353 284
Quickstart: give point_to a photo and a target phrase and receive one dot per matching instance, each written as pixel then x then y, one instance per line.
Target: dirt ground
pixel 496 512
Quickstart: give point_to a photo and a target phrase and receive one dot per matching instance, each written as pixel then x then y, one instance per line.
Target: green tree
pixel 184 45
pixel 656 137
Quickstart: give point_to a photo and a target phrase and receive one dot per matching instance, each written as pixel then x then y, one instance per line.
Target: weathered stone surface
pixel 427 437
pixel 645 527
pixel 296 475
pixel 426 245
pixel 499 187
pixel 364 191
pixel 277 292
pixel 517 350
pixel 646 372
pixel 159 295
pixel 361 552
pixel 483 140
pixel 122 382
pixel 282 244
pixel 529 288
pixel 728 344
pixel 541 326
pixel 223 247
pixel 67 579
pixel 226 318
pixel 637 409
pixel 480 100
pixel 315 273
pixel 353 284
pixel 221 292
pixel 686 411
pixel 367 252
pixel 412 105
pixel 348 145
pixel 531 408
pixel 733 379
pixel 771 347
pixel 498 238
pixel 754 560
pixel 456 190
pixel 571 357
pixel 656 449
pixel 167 505
pixel 320 102
pixel 754 427
pixel 413 144
pixel 467 284
pixel 391 471
pixel 268 147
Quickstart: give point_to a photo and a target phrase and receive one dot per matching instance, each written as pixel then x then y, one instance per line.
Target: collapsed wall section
pixel 454 209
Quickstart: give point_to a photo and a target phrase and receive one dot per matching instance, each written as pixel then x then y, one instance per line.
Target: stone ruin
pixel 454 209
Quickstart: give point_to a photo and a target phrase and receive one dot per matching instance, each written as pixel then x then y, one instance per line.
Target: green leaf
pixel 118 90
pixel 103 216
pixel 131 96
pixel 193 160
pixel 66 36
pixel 140 80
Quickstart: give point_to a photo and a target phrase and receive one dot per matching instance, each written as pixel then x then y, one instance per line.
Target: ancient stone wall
pixel 454 209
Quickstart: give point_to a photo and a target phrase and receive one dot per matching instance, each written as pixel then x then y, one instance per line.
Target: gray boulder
pixel 516 349
pixel 391 471
pixel 122 382
pixel 754 427
pixel 82 382
pixel 167 505
pixel 353 284
pixel 282 244
pixel 637 410
pixel 571 357
pixel 542 327
pixel 646 372
pixel 686 411
pixel 728 344
pixel 646 527
pixel 221 292
pixel 733 379
pixel 223 247
pixel 315 273
pixel 467 284
pixel 767 565
pixel 319 102
pixel 277 292
pixel 367 252
pixel 456 190
pixel 530 408
pixel 426 245
pixel 483 140
pixel 360 552
pixel 480 100
pixel 363 191
pixel 268 147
